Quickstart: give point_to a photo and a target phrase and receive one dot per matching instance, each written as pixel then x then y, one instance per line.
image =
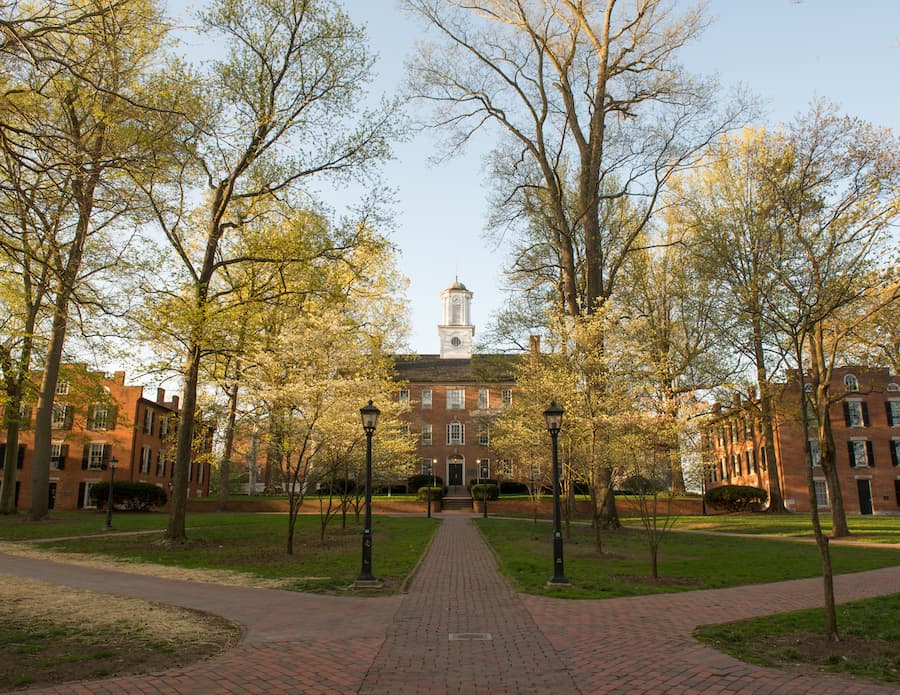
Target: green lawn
pixel 686 561
pixel 256 544
pixel 869 645
pixel 871 529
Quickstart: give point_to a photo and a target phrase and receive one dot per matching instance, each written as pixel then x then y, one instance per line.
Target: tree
pixel 281 108
pixel 79 111
pixel 595 115
pixel 836 188
pixel 727 211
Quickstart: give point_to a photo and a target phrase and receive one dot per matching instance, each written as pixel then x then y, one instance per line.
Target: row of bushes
pixel 736 498
pixel 129 496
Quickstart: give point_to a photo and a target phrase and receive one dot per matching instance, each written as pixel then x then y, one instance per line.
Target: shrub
pixel 478 491
pixel 414 482
pixel 736 498
pixel 338 486
pixel 130 496
pixel 436 493
pixel 640 485
pixel 480 481
pixel 511 487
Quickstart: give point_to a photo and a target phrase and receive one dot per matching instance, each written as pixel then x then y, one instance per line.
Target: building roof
pixel 479 369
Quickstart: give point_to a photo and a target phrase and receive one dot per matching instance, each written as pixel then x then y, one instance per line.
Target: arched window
pixel 851 382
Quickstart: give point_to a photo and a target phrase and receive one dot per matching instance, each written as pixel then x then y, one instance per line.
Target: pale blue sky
pixel 787 52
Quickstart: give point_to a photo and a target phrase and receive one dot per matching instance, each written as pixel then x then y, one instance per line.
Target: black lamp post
pixel 369 415
pixel 113 462
pixel 554 415
pixel 485 472
pixel 431 465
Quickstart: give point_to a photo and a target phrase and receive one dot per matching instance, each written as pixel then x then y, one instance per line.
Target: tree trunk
pixel 176 533
pixel 8 498
pixel 767 413
pixel 225 464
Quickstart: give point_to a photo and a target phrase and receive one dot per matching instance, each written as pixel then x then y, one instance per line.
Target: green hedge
pixel 478 490
pixel 414 482
pixel 129 496
pixel 736 498
pixel 436 493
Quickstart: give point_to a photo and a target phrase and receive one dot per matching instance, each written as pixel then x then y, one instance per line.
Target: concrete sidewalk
pixel 461 629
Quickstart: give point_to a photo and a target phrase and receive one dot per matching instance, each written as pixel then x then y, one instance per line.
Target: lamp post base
pixel 367 584
pixel 557 582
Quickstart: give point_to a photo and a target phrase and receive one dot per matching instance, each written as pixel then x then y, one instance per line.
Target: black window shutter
pixel 112 417
pixel 851 451
pixel 871 454
pixel 67 424
pixel 20 457
pixel 85 453
pixel 107 450
pixel 91 420
pixel 887 411
pixel 80 495
pixel 846 413
pixel 865 413
pixel 894 446
pixel 63 452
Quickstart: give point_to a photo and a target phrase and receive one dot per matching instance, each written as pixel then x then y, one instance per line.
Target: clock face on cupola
pixel 456 330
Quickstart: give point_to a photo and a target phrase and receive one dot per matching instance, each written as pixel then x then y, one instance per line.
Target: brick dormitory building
pixel 865 422
pixel 96 419
pixel 453 396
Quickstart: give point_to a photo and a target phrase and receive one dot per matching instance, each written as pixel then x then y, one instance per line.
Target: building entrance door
pixel 455 473
pixel 865 496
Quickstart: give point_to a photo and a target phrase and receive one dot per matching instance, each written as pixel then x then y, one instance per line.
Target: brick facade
pixel 865 421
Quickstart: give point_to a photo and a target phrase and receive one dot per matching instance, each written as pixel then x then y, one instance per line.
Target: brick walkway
pixel 480 638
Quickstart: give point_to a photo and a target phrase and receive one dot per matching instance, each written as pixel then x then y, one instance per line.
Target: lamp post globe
pixel 369 415
pixel 553 417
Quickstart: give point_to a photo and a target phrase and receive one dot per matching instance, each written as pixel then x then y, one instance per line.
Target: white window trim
pixel 426 398
pixel 95 447
pixel 457 401
pixel 824 484
pixel 866 463
pixel 855 405
pixel 427 435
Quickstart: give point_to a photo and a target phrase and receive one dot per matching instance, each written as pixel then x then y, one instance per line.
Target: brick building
pixel 97 419
pixel 865 421
pixel 453 397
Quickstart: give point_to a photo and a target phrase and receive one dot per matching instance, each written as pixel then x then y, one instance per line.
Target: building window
pixel 61 417
pixel 87 502
pixel 426 398
pixel 851 382
pixel 893 387
pixel 95 456
pixel 427 436
pixel 893 413
pixel 484 436
pixel 815 452
pixel 483 399
pixel 98 417
pixel 505 468
pixel 160 464
pixel 855 413
pixel 201 469
pixel 456 399
pixel 860 451
pixel 404 430
pixel 149 417
pixel 404 395
pixel 57 455
pixel 456 433
pixel 748 463
pixel 62 388
pixel 484 469
pixel 426 465
pixel 506 396
pixel 146 455
pixel 821 493
pixel 163 426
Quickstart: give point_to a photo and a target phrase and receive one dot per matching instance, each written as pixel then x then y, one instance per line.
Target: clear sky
pixel 786 51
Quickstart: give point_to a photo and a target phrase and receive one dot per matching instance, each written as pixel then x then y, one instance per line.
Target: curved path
pixel 461 629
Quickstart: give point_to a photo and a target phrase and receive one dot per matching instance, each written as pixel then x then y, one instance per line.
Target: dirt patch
pixel 51 634
pixel 659 581
pixel 813 654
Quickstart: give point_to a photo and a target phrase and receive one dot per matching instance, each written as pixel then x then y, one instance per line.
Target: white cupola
pixel 456 330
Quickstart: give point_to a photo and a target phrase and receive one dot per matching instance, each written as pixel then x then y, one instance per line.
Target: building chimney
pixel 160 395
pixel 736 400
pixel 119 378
pixel 535 344
pixel 175 402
